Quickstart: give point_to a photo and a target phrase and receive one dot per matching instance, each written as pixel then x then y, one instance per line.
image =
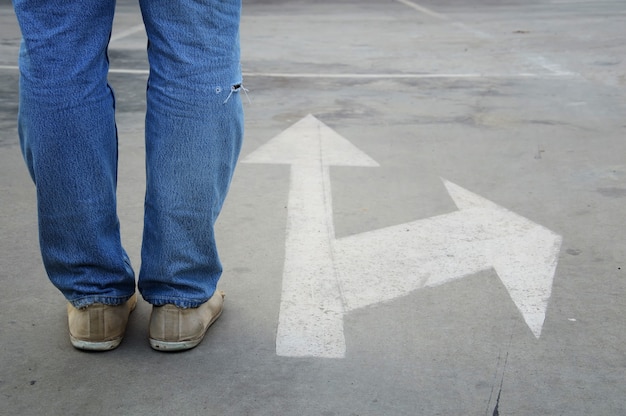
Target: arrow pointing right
pixel 388 263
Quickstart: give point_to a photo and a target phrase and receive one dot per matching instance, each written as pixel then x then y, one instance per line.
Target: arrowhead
pixel 309 141
pixel 524 255
pixel 384 264
pixel 526 263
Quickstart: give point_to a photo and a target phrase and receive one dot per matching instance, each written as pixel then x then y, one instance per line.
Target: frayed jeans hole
pixel 235 89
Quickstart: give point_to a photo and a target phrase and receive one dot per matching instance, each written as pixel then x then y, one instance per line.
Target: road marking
pixel 311 309
pixel 324 278
pixel 554 69
pixel 399 76
pixel 438 250
pixel 423 9
pixel 478 33
pixel 129 71
pixel 127 32
pixel 551 74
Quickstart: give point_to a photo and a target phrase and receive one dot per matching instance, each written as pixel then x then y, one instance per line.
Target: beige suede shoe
pixel 176 329
pixel 99 327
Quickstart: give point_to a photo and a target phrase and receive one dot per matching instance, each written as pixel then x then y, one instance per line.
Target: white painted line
pixel 111 70
pixel 423 9
pixel 478 33
pixel 355 75
pixel 312 75
pixel 128 32
pixel 324 277
pixel 398 76
pixel 129 71
pixel 553 68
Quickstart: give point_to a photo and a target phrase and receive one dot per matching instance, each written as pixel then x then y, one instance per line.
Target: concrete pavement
pixel 521 103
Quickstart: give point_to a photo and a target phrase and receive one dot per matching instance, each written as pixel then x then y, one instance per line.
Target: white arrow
pixel 310 322
pixel 324 278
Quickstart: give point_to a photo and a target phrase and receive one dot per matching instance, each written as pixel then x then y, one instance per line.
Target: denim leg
pixel 69 142
pixel 194 130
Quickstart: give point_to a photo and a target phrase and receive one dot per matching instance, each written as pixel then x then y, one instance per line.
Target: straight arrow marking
pixel 310 321
pixel 325 277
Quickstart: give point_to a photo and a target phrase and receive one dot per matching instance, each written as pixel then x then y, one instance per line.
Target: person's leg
pixel 69 141
pixel 194 129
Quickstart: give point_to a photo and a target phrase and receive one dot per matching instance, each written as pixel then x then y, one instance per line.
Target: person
pixel 193 135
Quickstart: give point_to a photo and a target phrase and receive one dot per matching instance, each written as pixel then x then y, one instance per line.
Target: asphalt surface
pixel 522 103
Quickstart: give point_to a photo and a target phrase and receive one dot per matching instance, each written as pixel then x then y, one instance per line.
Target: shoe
pixel 99 327
pixel 177 329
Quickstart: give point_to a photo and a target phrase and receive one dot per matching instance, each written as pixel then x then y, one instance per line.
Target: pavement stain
pixel 612 192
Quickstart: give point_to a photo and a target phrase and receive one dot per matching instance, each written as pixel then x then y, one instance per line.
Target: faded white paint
pixel 325 277
pixel 311 310
pixel 372 76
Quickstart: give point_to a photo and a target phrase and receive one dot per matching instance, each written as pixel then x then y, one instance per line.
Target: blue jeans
pixel 194 129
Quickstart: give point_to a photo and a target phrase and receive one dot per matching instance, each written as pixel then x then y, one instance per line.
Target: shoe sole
pixel 173 346
pixel 95 346
pixel 100 345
